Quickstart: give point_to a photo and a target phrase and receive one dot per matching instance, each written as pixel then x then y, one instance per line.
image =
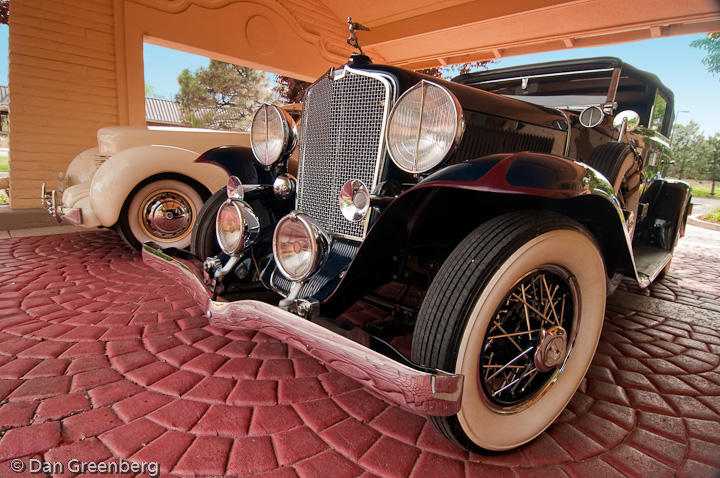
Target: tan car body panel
pixel 116 177
pixel 99 179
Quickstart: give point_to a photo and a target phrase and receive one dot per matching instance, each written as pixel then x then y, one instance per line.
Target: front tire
pixel 490 284
pixel 162 211
pixel 204 240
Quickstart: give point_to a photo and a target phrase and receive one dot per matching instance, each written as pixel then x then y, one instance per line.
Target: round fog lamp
pixel 354 200
pixel 236 226
pixel 300 246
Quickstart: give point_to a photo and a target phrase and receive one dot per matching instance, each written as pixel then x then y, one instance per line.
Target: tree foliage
pixel 4 12
pixel 714 161
pixel 290 90
pixel 222 96
pixel 711 45
pixel 688 151
pixel 694 154
pixel 448 72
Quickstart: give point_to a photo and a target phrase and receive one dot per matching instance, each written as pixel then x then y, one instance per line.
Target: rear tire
pixel 475 293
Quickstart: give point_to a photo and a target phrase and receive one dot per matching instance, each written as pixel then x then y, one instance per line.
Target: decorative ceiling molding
pixel 311 21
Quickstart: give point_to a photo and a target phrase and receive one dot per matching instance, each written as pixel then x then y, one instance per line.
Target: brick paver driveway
pixel 102 359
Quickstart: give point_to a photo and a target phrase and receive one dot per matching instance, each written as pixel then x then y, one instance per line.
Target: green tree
pixel 688 151
pixel 714 160
pixel 711 45
pixel 222 96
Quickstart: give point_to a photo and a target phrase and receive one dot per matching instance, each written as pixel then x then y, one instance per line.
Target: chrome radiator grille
pixel 342 138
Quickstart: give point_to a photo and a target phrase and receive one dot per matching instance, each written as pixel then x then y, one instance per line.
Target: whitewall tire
pixel 163 211
pixel 517 309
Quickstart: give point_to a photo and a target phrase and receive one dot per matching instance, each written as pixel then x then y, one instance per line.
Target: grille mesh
pixel 341 137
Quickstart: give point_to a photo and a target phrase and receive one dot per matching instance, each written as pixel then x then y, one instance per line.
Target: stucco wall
pixel 63 88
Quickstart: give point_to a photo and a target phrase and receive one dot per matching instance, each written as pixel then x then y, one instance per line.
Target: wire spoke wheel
pixel 527 340
pixel 517 309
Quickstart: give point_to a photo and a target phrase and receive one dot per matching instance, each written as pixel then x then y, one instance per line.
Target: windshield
pixel 574 90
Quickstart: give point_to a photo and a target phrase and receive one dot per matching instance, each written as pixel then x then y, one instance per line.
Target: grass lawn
pixel 696 192
pixel 713 216
pixel 3 192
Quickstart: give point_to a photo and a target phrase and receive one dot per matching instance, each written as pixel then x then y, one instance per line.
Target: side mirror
pixel 630 117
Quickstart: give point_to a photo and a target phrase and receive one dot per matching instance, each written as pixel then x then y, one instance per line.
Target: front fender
pixel 446 206
pixel 117 176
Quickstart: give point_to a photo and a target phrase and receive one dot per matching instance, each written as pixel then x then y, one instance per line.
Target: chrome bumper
pixel 423 393
pixel 61 214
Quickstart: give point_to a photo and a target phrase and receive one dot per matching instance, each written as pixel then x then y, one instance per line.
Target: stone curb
pixel 696 221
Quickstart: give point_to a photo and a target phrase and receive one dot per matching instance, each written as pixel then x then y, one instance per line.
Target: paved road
pixel 705 205
pixel 102 359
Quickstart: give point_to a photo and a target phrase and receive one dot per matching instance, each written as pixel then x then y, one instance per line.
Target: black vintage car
pixel 450 245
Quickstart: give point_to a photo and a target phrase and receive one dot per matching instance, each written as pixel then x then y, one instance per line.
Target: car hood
pixel 113 139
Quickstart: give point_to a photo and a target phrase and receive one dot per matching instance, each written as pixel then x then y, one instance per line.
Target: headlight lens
pixel 299 245
pixel 272 134
pixel 236 226
pixel 425 124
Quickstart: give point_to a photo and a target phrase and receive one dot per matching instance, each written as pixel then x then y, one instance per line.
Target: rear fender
pixel 440 211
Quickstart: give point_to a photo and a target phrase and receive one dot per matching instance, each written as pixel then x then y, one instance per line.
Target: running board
pixel 650 261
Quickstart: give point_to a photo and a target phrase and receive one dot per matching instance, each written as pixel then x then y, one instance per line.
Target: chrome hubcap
pixel 167 215
pixel 526 343
pixel 551 351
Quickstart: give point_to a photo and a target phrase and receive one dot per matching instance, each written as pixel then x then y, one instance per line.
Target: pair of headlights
pixel 299 245
pixel 425 124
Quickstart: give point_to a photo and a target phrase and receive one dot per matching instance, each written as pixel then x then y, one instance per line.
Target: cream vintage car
pixel 143 181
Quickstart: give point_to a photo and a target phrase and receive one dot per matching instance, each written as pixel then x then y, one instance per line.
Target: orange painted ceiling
pixel 423 33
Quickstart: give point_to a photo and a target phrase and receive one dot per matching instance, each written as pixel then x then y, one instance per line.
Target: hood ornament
pixel 354 27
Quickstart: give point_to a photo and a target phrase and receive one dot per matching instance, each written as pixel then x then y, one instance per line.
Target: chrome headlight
pixel 272 134
pixel 425 124
pixel 236 226
pixel 300 246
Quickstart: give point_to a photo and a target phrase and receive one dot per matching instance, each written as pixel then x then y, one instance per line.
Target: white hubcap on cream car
pixel 163 212
pixel 166 215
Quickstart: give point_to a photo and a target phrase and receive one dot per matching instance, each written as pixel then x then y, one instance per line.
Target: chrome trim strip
pixel 569 130
pixel 423 393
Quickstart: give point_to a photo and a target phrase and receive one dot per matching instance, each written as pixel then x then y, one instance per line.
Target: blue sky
pixel 671 59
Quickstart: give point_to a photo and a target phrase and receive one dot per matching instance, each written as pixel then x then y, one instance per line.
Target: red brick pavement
pixel 101 359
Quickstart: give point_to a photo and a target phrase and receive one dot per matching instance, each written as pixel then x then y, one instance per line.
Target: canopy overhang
pixel 421 34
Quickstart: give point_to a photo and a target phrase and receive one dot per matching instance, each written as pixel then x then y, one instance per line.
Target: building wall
pixel 76 65
pixel 63 88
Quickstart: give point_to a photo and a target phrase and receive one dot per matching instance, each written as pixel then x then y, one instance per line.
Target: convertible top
pixel 563 66
pixel 586 77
